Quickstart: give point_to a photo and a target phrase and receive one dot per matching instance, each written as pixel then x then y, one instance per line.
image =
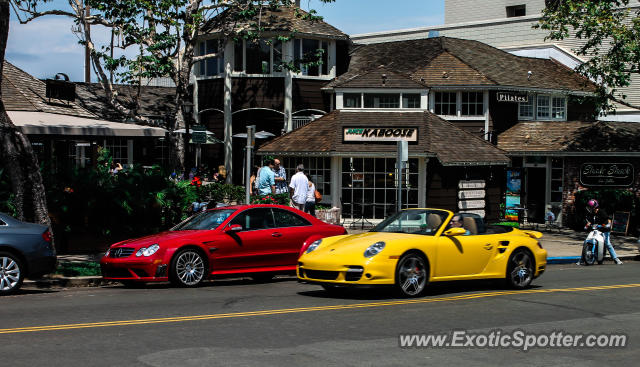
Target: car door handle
pixel 276 234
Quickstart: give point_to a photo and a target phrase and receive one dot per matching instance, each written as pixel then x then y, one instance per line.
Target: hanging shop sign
pixel 606 174
pixel 380 134
pixel 512 97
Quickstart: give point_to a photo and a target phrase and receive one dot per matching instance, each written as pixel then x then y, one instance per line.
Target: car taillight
pixel 47 236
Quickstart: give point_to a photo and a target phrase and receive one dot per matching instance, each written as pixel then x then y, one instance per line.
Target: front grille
pixel 354 274
pixel 121 252
pixel 321 274
pixel 116 273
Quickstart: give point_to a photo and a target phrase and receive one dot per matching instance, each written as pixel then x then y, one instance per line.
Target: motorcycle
pixel 593 247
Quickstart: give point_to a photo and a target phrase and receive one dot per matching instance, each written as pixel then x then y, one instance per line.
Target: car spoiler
pixel 533 234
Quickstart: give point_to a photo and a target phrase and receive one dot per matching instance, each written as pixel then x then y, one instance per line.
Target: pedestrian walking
pixel 280 177
pixel 266 179
pixel 310 204
pixel 298 188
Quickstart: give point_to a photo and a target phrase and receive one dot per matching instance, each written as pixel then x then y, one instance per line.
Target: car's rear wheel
pixel 11 273
pixel 412 275
pixel 520 269
pixel 187 268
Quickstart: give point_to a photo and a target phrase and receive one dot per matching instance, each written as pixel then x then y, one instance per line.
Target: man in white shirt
pixel 298 188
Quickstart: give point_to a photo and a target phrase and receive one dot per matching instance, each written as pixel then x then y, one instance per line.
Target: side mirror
pixel 233 228
pixel 455 232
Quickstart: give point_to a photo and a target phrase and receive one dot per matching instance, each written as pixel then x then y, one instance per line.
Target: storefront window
pixel 118 150
pixel 445 103
pixel 318 169
pixel 472 104
pixel 369 187
pixel 557 172
pixel 382 100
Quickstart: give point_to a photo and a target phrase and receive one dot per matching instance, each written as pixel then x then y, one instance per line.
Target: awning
pixel 42 123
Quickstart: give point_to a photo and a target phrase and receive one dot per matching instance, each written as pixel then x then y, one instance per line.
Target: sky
pixel 47 45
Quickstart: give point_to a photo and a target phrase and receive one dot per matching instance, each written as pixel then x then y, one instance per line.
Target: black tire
pixel 188 268
pixel 520 269
pixel 412 275
pixel 262 278
pixel 588 256
pixel 11 273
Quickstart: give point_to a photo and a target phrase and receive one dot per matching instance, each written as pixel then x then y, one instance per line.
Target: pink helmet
pixel 593 203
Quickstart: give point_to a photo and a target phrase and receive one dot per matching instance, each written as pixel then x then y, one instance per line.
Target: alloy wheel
pixel 521 269
pixel 10 274
pixel 189 268
pixel 411 278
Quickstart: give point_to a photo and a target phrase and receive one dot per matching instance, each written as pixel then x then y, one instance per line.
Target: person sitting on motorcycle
pixel 597 215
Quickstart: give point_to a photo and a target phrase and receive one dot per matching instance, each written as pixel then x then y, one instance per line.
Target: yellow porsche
pixel 417 246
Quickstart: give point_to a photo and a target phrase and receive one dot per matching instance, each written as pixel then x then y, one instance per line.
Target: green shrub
pixel 280 199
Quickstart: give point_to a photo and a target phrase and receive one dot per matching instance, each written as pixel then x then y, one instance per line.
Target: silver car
pixel 26 251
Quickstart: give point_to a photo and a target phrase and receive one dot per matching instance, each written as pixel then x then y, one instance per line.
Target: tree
pixel 16 154
pixel 163 35
pixel 611 42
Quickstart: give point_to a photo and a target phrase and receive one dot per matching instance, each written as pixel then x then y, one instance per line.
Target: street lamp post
pixel 187 108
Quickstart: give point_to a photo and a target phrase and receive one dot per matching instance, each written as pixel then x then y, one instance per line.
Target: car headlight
pixel 313 246
pixel 374 249
pixel 148 251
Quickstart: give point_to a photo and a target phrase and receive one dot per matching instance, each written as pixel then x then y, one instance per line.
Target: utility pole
pixel 87 54
pixel 251 132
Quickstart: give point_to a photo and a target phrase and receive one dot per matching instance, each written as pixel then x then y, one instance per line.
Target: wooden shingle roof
pixel 284 20
pixel 436 137
pixel 450 62
pixel 570 136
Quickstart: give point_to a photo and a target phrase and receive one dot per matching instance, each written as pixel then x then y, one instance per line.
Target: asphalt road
pixel 240 323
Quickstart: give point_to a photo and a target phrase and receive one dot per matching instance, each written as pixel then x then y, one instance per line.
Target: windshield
pixel 416 221
pixel 206 220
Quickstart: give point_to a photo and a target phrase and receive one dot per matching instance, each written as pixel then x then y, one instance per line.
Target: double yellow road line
pixel 309 309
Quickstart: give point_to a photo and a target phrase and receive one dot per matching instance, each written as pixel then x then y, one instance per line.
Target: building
pixel 244 83
pixel 457 96
pixel 66 133
pixel 507 25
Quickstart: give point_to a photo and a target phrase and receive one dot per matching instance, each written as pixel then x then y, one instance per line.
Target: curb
pixel 67 282
pixel 575 259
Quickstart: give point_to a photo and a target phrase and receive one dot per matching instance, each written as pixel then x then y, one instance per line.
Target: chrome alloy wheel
pixel 189 268
pixel 521 269
pixel 411 275
pixel 9 274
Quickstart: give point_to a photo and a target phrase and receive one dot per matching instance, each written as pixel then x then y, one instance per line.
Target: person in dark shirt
pixel 598 216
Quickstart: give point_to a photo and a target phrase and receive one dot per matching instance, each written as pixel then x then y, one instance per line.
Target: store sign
pixel 512 97
pixel 606 174
pixel 199 134
pixel 471 194
pixel 382 134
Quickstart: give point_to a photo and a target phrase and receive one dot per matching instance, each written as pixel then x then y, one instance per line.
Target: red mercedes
pixel 255 240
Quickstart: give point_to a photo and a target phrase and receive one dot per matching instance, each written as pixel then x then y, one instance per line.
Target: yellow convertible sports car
pixel 417 246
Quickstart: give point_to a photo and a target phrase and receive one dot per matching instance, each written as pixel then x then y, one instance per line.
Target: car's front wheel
pixel 520 269
pixel 412 275
pixel 187 268
pixel 11 273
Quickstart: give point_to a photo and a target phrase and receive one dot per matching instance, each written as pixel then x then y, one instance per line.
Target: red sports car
pixel 258 240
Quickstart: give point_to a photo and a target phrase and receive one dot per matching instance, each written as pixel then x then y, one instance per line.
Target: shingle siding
pixel 460 11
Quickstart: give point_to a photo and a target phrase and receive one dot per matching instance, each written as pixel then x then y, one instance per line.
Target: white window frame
pixel 424 103
pixel 302 70
pixel 458 102
pixel 481 93
pixel 213 55
pixel 533 98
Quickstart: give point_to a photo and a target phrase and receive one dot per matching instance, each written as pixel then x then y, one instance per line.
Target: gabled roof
pixel 571 136
pixel 436 137
pixel 23 92
pixel 445 61
pixel 284 20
